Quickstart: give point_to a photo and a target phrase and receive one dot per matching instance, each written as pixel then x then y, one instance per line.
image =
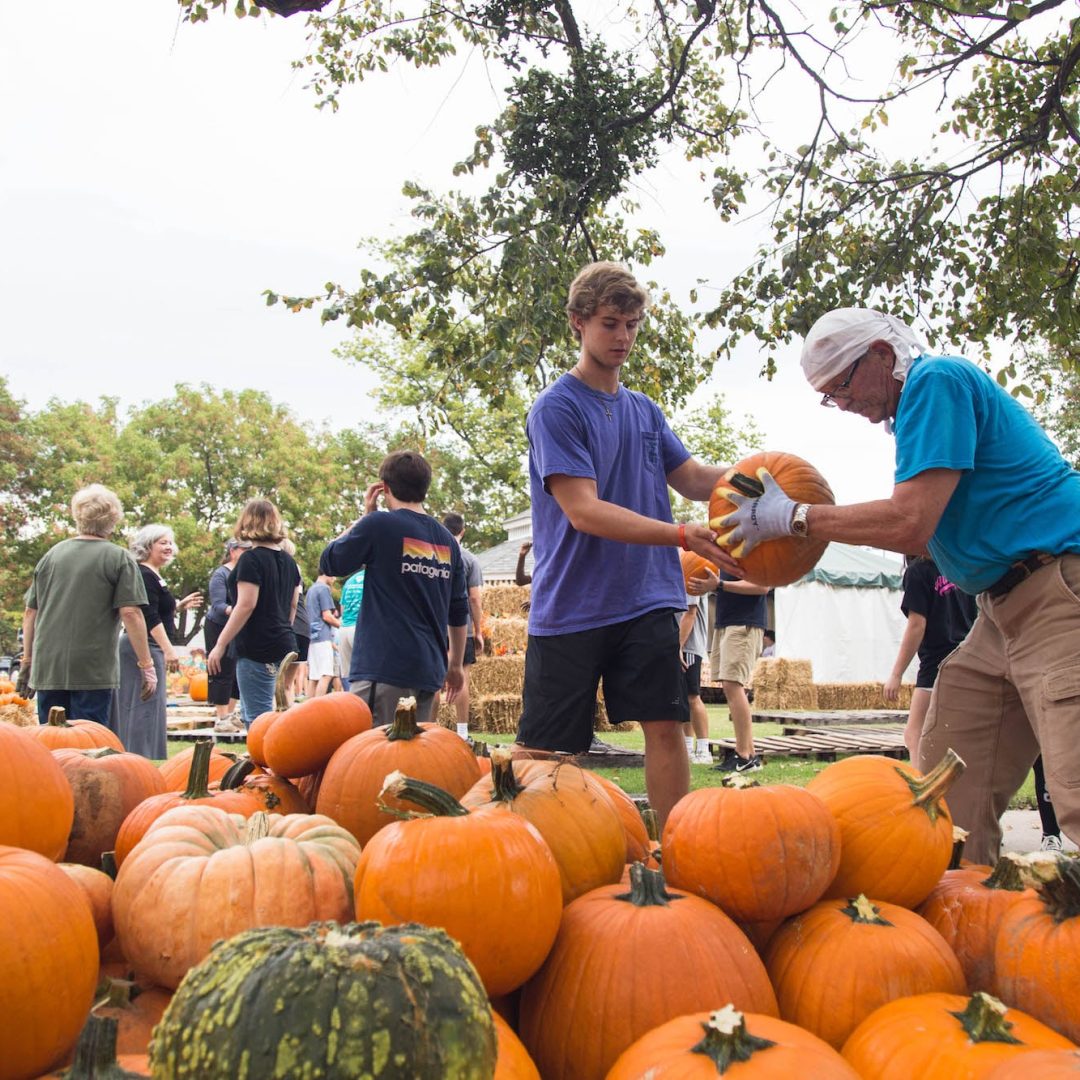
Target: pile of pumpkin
pixel 348 901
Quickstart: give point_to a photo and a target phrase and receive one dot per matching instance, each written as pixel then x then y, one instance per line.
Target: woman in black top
pixel 140 722
pixel 266 584
pixel 222 691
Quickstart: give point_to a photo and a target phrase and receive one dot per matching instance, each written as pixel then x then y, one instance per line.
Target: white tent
pixel 844 616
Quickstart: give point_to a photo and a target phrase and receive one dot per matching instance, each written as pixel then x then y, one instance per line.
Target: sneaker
pixel 702 757
pixel 598 746
pixel 733 763
pixel 228 725
pixel 1051 842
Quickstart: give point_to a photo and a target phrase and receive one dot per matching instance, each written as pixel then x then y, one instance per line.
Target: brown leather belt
pixel 1019 571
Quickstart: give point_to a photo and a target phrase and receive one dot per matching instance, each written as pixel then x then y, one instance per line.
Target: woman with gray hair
pixel 140 717
pixel 82 590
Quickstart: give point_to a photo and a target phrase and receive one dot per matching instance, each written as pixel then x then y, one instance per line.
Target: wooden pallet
pixel 821 718
pixel 824 745
pixel 194 734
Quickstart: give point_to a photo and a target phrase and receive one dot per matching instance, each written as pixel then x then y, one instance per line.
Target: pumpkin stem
pixel 95 1052
pixel 404 727
pixel 984 1020
pixel 862 910
pixel 750 486
pixel 727 1041
pixel 258 826
pixel 1007 874
pixel 235 775
pixel 930 789
pixel 199 774
pixel 58 717
pixel 116 993
pixel 433 799
pixel 958 837
pixel 1057 881
pixel 284 677
pixel 647 888
pixel 100 752
pixel 504 784
pixel 652 824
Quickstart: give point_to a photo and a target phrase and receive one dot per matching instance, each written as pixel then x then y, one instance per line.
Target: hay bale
pixel 841 696
pixel 780 683
pixel 497 675
pixel 498 714
pixel 507 636
pixel 504 601
pixel 19 715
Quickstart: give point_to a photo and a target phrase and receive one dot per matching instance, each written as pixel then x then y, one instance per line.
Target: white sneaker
pixel 1051 842
pixel 702 757
pixel 228 725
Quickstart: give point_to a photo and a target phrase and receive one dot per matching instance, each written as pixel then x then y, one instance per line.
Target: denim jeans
pixel 256 681
pixel 78 704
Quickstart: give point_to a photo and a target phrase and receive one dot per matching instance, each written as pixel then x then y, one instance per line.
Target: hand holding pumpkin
pixel 764 517
pixel 702 539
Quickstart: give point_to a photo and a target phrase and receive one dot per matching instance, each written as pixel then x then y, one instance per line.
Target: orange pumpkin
pixel 896 834
pixel 142 816
pixel 788 558
pixel 97 887
pixel 705 1045
pixel 264 789
pixel 303 738
pixel 695 566
pixel 657 953
pixel 570 810
pixel 836 963
pixel 50 961
pixel 966 907
pixel 60 732
pixel 107 786
pixel 7 686
pixel 1037 951
pixel 514 1062
pixel 36 803
pixel 198 686
pixel 480 876
pixel 176 771
pixel 354 776
pixel 718 843
pixel 638 844
pixel 1044 1064
pixel 944 1036
pixel 200 874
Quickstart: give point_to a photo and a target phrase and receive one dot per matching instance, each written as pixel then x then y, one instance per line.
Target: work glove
pixel 756 518
pixel 22 683
pixel 149 683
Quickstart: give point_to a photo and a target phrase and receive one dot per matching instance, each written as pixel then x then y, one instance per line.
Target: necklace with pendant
pixel 576 372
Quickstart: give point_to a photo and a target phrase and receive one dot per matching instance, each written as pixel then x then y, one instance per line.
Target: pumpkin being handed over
pixel 787 558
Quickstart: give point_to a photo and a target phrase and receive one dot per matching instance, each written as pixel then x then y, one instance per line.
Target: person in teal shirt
pixel 981 487
pixel 352 593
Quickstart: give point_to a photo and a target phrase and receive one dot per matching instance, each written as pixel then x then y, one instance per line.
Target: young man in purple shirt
pixel 607 588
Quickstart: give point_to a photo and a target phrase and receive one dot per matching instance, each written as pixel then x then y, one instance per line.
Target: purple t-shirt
pixel 623 442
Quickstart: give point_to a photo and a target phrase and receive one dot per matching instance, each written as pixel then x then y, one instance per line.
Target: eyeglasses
pixel 829 400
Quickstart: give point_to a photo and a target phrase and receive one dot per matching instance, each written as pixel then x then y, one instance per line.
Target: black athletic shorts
pixel 302 645
pixel 470 650
pixel 692 676
pixel 638 661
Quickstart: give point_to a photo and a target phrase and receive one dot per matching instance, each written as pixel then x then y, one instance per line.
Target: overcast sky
pixel 155 177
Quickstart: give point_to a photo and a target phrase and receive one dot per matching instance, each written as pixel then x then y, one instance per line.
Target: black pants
pixel 220 688
pixel 1042 801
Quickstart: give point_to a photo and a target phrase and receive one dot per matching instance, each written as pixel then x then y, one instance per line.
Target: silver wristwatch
pixel 799 524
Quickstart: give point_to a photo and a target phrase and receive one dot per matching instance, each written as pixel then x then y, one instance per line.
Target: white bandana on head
pixel 841 336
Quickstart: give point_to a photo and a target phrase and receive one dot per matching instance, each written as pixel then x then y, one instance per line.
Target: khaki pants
pixel 1010 689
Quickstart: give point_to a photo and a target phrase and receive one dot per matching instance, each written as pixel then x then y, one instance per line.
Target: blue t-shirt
pixel 739 609
pixel 319 599
pixel 414 587
pixel 352 592
pixel 1016 495
pixel 623 442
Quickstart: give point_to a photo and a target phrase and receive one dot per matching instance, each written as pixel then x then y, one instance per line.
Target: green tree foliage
pixel 973 232
pixel 191 461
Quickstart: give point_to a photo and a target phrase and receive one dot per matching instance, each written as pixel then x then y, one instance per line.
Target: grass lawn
pixel 776 770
